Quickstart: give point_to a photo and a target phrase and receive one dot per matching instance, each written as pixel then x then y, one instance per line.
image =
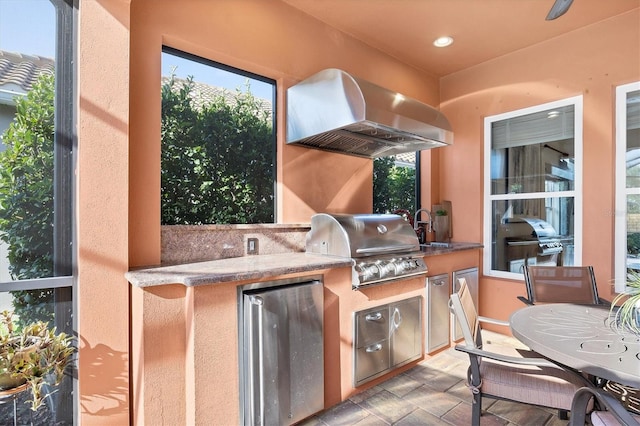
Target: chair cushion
pixel 605 418
pixel 545 386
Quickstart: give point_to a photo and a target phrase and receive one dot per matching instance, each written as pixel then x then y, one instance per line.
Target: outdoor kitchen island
pixel 185 327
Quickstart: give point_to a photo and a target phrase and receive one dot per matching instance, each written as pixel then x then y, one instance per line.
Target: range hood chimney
pixel 337 112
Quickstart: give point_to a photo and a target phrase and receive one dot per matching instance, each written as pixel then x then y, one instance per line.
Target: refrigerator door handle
pixel 255 345
pixel 256 300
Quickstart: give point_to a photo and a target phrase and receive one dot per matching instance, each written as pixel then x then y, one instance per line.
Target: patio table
pixel 580 338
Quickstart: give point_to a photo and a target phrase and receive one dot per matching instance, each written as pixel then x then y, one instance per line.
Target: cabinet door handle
pixel 374 348
pixel 396 320
pixel 438 283
pixel 376 316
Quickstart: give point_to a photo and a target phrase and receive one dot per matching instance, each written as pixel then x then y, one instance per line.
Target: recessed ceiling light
pixel 443 41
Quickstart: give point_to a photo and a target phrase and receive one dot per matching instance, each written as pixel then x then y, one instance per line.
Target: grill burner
pixel 383 247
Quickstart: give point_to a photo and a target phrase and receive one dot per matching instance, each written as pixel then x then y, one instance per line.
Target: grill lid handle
pixel 386 249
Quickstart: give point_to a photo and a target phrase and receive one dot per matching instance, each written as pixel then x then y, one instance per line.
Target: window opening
pixel 396 183
pixel 532 186
pixel 37 135
pixel 627 218
pixel 218 143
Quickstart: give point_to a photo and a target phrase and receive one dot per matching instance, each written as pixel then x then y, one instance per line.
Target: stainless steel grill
pixel 530 240
pixel 384 247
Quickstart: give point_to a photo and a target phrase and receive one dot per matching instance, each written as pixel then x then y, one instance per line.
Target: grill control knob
pixel 386 268
pixel 411 264
pixel 367 272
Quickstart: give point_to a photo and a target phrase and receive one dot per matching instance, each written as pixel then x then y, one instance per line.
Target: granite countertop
pixel 234 269
pixel 256 267
pixel 440 248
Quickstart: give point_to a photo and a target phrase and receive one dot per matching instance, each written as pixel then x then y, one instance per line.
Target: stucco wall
pixel 588 62
pixel 267 38
pixel 119 165
pixel 102 213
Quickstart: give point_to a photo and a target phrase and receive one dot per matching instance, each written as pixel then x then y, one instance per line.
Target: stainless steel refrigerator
pixel 282 349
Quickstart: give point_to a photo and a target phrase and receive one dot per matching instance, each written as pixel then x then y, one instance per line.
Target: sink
pixel 435 244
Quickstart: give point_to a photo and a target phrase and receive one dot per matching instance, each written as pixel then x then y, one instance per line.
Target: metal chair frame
pixel 460 304
pixel 561 276
pixel 582 398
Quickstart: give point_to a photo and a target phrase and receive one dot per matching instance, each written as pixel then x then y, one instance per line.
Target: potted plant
pixel 627 315
pixel 31 357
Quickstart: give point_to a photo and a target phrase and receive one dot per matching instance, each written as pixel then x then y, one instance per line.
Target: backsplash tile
pixel 197 243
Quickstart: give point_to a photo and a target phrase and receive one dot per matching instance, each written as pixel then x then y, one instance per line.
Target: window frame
pixel 621 191
pixel 576 193
pixel 64 280
pixel 274 106
pixel 65 158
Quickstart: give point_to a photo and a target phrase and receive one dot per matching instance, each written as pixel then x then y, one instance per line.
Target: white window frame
pixel 620 261
pixel 576 193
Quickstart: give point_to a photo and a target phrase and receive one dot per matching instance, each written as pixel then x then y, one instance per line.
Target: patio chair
pixel 610 411
pixel 507 372
pixel 561 284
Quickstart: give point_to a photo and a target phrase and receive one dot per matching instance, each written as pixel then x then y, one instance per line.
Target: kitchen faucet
pixel 417 222
pixel 423 235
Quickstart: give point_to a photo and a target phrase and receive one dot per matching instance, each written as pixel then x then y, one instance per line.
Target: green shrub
pixel 393 186
pixel 26 197
pixel 217 158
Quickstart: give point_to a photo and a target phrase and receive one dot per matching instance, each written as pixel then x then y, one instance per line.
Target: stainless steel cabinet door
pixel 371 361
pixel 386 337
pixel 438 312
pixel 284 344
pixel 405 329
pixel 372 325
pixel 371 340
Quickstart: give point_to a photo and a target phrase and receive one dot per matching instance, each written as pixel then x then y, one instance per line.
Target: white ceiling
pixel 482 29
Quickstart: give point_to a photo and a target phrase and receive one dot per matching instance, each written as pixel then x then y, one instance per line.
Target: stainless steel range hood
pixel 337 112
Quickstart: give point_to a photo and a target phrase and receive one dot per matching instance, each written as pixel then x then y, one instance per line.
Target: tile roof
pixel 204 93
pixel 23 70
pixel 408 158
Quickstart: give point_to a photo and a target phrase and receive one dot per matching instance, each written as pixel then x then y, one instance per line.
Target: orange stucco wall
pixel 102 213
pixel 119 169
pixel 588 62
pixel 267 38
